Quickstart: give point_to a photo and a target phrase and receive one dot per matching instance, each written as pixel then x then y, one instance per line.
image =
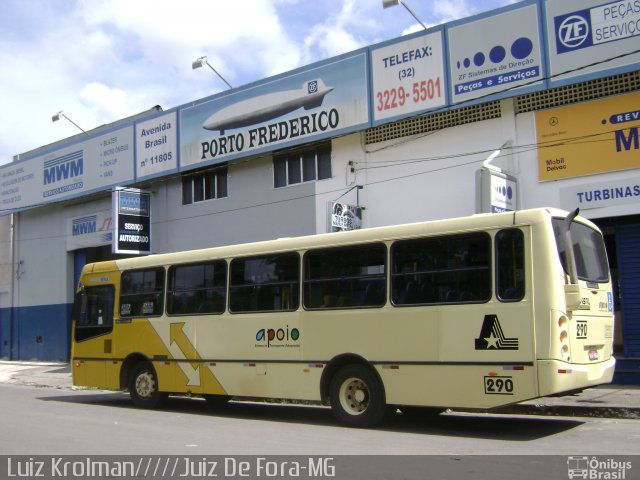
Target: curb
pixel 628 413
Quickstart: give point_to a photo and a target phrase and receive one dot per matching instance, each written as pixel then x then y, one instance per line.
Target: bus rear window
pixel 588 249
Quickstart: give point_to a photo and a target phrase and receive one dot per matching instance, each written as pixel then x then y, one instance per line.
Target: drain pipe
pixel 12 255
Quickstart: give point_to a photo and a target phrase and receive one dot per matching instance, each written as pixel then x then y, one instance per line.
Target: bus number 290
pixel 498 385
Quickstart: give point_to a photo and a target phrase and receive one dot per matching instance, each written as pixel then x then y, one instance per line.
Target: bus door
pixel 93 321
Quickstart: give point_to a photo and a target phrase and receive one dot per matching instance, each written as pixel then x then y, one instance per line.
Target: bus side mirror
pixel 572 296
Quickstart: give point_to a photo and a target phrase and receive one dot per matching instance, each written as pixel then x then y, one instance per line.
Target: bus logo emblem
pixel 492 336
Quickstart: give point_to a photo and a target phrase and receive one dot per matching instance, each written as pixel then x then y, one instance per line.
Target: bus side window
pixel 345 277
pixel 197 288
pixel 445 269
pixel 269 283
pixel 93 311
pixel 509 245
pixel 142 293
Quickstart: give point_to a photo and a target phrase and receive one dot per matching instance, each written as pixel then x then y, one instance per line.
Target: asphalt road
pixel 39 421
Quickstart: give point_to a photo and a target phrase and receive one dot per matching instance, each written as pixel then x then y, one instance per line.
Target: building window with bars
pixel 299 166
pixel 206 185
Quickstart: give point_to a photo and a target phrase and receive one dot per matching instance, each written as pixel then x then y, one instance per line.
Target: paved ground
pixel 610 401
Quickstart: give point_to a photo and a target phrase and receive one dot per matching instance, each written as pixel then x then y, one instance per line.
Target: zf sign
pixel 133 221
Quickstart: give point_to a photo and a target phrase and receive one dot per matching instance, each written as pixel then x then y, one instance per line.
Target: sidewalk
pixel 37 374
pixel 606 401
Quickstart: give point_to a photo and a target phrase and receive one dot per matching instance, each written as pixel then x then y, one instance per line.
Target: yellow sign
pixel 589 138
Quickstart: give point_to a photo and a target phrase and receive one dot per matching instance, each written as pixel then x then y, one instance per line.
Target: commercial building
pixel 535 104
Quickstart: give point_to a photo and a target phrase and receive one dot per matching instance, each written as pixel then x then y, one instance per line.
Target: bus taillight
pixel 563 323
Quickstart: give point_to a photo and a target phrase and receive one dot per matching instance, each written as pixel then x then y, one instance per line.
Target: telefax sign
pixel 594 26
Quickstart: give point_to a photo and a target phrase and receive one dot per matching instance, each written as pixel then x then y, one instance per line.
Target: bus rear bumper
pixel 555 376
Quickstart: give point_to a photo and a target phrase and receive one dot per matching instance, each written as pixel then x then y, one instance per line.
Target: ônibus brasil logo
pixel 277 337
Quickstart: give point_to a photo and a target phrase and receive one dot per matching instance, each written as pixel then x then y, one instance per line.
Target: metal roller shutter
pixel 628 244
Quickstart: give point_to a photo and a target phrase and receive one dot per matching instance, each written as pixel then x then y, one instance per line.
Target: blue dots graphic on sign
pixel 520 49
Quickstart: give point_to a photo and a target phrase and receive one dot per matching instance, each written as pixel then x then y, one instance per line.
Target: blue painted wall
pixel 36 333
pixel 5 333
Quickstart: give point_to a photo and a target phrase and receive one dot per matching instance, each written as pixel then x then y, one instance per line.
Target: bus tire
pixel 143 386
pixel 357 396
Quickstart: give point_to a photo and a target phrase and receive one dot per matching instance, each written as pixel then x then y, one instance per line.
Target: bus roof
pixel 386 233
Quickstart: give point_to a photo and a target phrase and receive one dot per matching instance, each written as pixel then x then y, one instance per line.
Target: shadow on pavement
pixel 465 425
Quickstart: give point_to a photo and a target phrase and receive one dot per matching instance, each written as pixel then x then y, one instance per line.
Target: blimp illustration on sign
pixel 266 107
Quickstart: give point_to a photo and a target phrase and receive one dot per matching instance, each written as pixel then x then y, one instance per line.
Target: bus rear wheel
pixel 357 397
pixel 143 386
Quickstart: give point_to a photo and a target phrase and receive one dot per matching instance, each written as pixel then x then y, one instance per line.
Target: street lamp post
pixel 393 3
pixel 60 115
pixel 199 62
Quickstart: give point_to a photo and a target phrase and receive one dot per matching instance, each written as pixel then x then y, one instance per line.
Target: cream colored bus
pixel 473 312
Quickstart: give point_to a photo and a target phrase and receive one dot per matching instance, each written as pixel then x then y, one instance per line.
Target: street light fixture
pixel 199 62
pixel 60 114
pixel 393 3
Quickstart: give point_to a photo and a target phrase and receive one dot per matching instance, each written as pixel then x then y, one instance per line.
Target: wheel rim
pixel 354 396
pixel 145 385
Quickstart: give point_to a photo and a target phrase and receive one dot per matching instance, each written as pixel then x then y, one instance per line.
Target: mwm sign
pixel 63 168
pixel 84 225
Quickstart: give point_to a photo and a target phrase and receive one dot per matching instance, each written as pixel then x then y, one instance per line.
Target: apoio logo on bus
pixel 278 337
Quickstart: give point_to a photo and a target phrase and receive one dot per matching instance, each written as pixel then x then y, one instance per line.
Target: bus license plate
pixel 593 355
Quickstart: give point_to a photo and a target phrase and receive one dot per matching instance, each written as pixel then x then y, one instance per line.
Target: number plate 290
pixel 498 385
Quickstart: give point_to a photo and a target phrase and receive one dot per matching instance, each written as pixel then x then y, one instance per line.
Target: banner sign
pixel 601 194
pixel 496 54
pixel 321 101
pixel 503 193
pixel 86 166
pixel 92 230
pixel 157 146
pixel 586 32
pixel 345 217
pixel 132 209
pixel 497 191
pixel 408 76
pixel 588 138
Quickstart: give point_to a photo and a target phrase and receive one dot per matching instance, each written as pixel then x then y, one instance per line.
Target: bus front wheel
pixel 143 386
pixel 357 397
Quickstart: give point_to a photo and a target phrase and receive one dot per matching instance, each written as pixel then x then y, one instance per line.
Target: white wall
pixel 42 263
pixel 253 210
pixel 422 177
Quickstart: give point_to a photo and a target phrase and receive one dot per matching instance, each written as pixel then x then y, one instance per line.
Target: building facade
pixel 536 104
